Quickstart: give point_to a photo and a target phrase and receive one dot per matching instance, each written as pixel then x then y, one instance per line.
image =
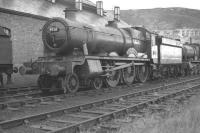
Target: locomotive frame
pixel 71 72
pixel 90 71
pixel 77 54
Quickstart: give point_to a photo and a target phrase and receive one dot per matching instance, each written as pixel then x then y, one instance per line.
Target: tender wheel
pixel 71 83
pixel 113 79
pixel 196 71
pixel 96 83
pixel 171 71
pixel 183 72
pixel 165 72
pixel 142 73
pixel 179 71
pixel 175 72
pixel 128 75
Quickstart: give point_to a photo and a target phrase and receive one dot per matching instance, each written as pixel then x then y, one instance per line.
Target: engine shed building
pixel 26 19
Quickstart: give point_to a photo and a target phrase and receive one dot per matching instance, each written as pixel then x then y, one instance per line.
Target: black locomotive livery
pixel 80 55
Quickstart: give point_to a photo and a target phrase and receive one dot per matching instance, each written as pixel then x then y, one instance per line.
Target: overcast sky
pixel 143 4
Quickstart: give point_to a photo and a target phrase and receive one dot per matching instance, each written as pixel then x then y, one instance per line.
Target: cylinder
pixel 62 36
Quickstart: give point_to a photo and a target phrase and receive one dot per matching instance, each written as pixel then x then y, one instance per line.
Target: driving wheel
pixel 96 83
pixel 113 79
pixel 128 75
pixel 143 73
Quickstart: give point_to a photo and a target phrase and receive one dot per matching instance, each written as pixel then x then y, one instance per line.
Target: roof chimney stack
pixel 79 5
pixel 99 6
pixel 117 13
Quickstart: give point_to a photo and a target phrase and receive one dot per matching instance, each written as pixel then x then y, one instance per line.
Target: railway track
pixel 15 102
pixel 31 100
pixel 10 91
pixel 17 93
pixel 87 115
pixel 19 96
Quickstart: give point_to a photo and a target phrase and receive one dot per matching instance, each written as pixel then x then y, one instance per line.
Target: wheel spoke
pixel 113 80
pixel 96 83
pixel 71 83
pixel 129 75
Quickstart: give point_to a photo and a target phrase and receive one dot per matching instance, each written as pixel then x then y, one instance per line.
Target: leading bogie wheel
pixel 71 83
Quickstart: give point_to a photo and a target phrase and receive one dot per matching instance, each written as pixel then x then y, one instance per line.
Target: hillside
pixel 163 18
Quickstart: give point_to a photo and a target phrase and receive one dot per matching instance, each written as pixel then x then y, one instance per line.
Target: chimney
pixel 117 13
pixel 99 6
pixel 79 4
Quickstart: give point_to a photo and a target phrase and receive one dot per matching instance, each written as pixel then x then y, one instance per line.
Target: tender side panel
pixel 170 54
pixel 5 50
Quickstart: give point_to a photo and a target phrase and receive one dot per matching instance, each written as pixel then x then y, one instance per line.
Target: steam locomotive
pixel 87 50
pixel 79 55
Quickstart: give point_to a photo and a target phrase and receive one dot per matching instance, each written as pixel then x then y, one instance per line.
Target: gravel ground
pixel 182 118
pixel 66 103
pixel 19 80
pixel 86 97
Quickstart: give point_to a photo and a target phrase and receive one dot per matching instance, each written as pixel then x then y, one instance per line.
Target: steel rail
pixel 17 96
pixel 17 122
pixel 93 121
pixel 28 100
pixel 11 90
pixel 17 103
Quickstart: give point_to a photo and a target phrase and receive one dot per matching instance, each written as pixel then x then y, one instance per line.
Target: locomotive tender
pixel 6 53
pixel 80 55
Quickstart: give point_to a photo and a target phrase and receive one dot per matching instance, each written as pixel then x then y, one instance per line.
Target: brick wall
pixel 26 36
pixel 25 18
pixel 26 29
